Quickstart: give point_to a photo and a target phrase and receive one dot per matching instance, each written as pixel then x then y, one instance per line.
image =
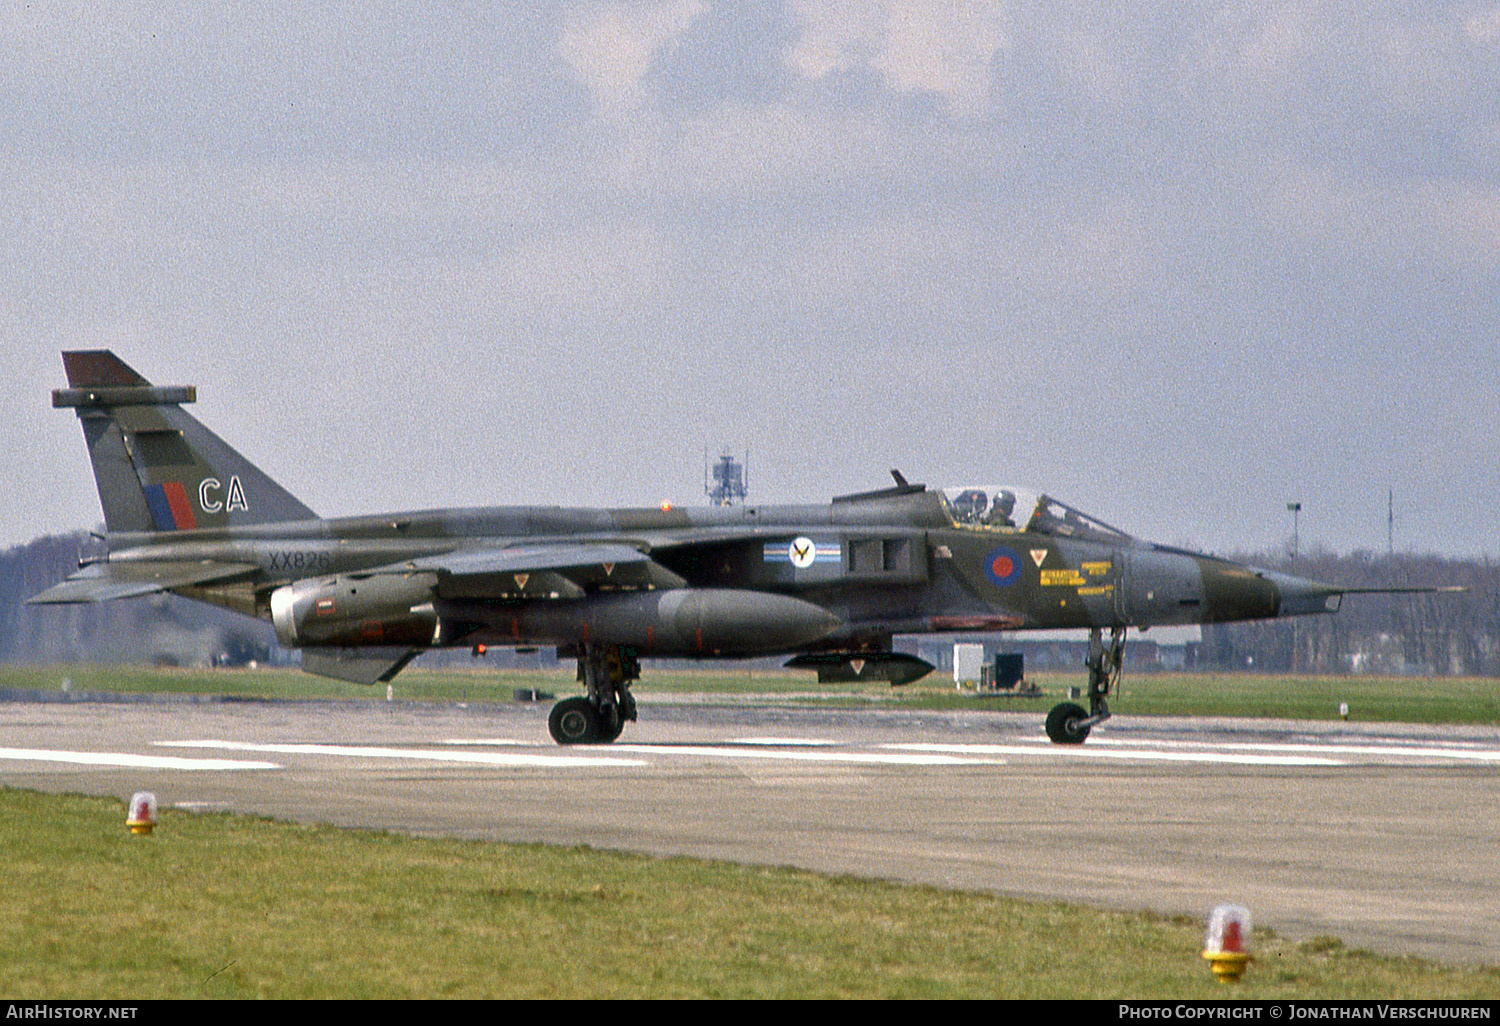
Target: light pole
pixel 1295 509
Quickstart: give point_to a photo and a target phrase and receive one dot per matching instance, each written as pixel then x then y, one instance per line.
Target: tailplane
pixel 157 468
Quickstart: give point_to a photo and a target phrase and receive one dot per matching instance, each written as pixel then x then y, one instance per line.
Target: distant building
pixel 1161 648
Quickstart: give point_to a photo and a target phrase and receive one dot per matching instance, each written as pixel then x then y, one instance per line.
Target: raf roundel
pixel 1002 566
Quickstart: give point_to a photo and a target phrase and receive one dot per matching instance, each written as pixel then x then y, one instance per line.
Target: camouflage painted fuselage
pixel 885 564
pixel 361 596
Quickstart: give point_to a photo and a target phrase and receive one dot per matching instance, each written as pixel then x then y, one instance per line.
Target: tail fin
pixel 157 468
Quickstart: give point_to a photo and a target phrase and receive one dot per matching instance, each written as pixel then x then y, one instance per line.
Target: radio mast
pixel 730 480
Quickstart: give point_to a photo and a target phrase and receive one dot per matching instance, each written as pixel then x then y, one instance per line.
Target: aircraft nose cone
pixel 1298 596
pixel 1234 592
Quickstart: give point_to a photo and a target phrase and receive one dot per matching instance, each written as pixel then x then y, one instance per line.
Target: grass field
pixel 223 906
pixel 234 906
pixel 1467 700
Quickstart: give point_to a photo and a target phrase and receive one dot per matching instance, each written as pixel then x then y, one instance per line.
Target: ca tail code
pixel 212 497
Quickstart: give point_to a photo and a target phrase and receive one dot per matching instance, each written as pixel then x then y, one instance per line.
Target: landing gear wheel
pixel 1069 724
pixel 1062 724
pixel 606 670
pixel 610 725
pixel 574 721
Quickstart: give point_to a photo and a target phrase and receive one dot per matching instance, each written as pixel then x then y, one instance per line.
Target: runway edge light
pixel 142 817
pixel 1226 945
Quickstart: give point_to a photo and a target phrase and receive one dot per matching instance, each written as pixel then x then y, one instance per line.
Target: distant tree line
pixel 161 629
pixel 1427 634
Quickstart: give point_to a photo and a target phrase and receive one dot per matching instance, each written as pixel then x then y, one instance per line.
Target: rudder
pixel 157 468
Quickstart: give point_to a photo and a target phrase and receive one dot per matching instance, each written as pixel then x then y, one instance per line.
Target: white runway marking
pixel 1472 752
pixel 490 742
pixel 423 754
pixel 796 755
pixel 1093 750
pixel 768 742
pixel 738 750
pixel 125 760
pixel 806 750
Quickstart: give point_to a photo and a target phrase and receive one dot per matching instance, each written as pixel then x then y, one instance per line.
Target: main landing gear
pixel 598 717
pixel 1068 723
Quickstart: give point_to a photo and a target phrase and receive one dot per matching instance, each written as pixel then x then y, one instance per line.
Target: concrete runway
pixel 1387 837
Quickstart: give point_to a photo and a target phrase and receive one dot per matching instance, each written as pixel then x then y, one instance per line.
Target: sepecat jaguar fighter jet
pixel 828 584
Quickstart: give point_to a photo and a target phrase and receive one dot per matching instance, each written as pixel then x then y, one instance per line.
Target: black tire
pixel 1062 724
pixel 573 721
pixel 610 725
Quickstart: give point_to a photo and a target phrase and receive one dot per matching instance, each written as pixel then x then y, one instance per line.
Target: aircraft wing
pixel 541 570
pixel 103 582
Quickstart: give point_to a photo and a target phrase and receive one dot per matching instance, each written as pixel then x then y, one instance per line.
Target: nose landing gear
pixel 1068 723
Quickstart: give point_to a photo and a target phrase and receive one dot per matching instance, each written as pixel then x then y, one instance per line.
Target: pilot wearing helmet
pixel 1000 512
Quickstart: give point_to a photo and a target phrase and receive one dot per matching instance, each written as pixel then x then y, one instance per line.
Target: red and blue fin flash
pixel 169 507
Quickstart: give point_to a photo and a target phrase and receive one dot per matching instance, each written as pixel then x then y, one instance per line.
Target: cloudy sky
pixel 1177 263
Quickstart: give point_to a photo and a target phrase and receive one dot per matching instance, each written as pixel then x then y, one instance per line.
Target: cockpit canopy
pixel 1009 510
